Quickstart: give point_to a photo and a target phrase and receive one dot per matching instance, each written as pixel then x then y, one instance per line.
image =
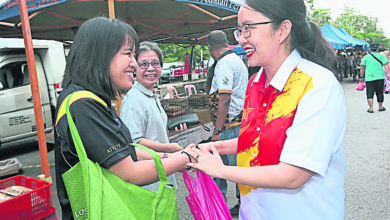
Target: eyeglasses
pixel 245 30
pixel 145 65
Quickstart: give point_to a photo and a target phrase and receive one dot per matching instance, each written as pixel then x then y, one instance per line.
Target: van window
pixel 14 75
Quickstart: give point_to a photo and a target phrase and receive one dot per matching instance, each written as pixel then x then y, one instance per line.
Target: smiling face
pixel 122 67
pixel 149 76
pixel 262 43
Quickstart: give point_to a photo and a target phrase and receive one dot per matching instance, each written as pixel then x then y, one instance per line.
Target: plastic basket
pixel 197 101
pixel 30 205
pixel 182 102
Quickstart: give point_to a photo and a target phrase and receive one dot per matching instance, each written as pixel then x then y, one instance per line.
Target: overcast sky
pixel 372 8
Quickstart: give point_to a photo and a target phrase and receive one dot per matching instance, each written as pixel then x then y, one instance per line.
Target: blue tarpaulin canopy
pixel 350 38
pixel 339 38
pixel 336 44
pixel 334 39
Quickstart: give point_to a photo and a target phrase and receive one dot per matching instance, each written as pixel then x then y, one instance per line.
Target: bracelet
pixel 188 155
pixel 165 155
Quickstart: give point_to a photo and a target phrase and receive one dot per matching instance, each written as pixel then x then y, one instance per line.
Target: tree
pixel 176 53
pixel 355 23
pixel 321 16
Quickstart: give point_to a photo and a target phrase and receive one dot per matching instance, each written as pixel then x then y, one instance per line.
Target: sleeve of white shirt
pixel 318 129
pixel 224 76
pixel 134 118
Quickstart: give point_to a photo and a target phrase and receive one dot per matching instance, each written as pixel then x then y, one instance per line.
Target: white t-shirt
pixel 231 76
pixel 315 141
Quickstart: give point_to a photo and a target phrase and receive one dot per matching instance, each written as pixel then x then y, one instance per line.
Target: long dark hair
pixel 94 46
pixel 305 35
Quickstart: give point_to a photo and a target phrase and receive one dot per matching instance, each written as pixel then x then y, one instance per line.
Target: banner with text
pixel 10 8
pixel 231 5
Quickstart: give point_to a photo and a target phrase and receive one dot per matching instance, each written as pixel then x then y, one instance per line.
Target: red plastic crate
pixel 30 205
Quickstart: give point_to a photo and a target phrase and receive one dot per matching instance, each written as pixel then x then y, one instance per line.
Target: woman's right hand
pixel 207 159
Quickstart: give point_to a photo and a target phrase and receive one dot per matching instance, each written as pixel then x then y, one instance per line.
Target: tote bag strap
pixel 157 160
pixel 83 159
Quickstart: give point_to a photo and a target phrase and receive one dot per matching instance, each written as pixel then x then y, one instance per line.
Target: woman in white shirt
pixel 290 151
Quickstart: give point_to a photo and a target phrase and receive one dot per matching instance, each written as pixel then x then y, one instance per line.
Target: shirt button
pixel 264 104
pixel 258 129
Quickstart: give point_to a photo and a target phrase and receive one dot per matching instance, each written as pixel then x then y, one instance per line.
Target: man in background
pixel 226 98
pixel 372 71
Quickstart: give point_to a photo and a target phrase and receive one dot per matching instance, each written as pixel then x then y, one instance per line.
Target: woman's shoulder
pixel 320 75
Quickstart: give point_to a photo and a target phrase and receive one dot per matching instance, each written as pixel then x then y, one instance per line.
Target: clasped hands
pixel 204 157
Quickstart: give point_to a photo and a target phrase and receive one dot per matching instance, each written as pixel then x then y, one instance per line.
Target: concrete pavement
pixel 367 153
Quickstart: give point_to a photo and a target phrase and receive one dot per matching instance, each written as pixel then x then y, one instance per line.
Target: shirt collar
pixel 284 72
pixel 142 88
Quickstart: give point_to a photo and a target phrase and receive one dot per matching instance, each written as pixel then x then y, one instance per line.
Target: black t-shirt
pixel 105 138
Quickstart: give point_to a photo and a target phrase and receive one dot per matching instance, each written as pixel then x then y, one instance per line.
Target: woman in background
pixel 141 110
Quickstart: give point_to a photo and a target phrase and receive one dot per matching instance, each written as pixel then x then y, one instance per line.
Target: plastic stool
pixel 171 89
pixel 188 89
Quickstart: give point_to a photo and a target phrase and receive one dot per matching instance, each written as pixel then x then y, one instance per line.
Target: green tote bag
pixel 96 193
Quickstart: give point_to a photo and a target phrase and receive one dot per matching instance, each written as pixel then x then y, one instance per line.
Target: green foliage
pixel 321 16
pixel 177 53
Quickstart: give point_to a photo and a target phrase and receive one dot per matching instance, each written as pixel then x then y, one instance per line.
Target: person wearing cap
pixel 372 71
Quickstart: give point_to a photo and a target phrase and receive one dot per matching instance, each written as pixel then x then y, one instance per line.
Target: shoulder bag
pixel 96 193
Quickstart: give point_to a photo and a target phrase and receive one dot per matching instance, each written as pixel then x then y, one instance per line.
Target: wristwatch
pixel 217 131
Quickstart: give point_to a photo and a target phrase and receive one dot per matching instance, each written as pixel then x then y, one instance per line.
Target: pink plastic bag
pixel 360 86
pixel 387 86
pixel 205 199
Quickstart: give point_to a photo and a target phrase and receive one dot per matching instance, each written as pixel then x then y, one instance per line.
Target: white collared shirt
pixel 315 141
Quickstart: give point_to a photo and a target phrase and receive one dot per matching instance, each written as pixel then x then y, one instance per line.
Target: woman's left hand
pixel 206 161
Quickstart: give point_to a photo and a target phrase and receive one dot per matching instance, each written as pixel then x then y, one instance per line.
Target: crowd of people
pixel 279 124
pixel 347 64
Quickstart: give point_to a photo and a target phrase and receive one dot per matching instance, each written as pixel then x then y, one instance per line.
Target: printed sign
pixel 10 8
pixel 231 5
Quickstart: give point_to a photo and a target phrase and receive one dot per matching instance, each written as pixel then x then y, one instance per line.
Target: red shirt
pixel 267 114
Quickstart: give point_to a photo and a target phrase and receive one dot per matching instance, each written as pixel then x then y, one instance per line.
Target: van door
pixel 16 105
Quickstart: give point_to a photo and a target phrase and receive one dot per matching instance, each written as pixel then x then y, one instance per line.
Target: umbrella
pixel 163 21
pixel 154 20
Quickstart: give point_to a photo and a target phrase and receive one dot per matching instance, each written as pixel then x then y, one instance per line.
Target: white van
pixel 17 120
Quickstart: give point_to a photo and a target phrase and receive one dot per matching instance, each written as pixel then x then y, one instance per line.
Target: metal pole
pixel 111 9
pixel 111 14
pixel 34 87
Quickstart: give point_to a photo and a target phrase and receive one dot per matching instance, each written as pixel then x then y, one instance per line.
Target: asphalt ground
pixel 367 153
